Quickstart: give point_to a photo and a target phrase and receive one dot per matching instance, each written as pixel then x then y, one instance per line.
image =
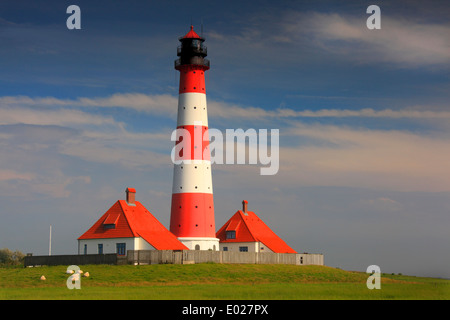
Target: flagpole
pixel 50 242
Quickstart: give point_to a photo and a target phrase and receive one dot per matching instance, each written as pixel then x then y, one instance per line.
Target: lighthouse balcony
pixel 199 61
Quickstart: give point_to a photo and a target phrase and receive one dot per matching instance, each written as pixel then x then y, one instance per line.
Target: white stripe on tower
pixel 192 108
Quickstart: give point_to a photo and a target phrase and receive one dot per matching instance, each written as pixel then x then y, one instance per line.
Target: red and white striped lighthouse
pixel 192 213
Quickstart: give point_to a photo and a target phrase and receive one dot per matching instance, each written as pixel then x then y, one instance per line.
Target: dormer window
pixel 111 221
pixel 231 234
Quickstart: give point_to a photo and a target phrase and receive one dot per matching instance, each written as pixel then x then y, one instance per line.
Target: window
pixel 85 249
pixel 243 249
pixel 195 44
pixel 121 248
pixel 231 234
pixel 197 247
pixel 225 248
pixel 100 248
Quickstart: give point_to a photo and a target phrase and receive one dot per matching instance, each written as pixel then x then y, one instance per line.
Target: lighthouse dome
pixel 192 35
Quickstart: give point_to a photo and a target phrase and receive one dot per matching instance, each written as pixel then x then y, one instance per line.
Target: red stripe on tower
pixel 192 213
pixel 192 79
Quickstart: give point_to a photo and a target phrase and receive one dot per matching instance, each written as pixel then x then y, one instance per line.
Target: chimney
pixel 131 196
pixel 244 206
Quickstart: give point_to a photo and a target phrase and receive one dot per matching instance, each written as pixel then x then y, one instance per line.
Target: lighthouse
pixel 192 212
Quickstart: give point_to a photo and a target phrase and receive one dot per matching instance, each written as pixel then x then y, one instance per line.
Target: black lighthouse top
pixel 192 51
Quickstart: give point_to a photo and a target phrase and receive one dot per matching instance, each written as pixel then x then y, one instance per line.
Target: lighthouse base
pixel 200 243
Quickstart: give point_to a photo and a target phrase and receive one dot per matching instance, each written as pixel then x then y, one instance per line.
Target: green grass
pixel 214 281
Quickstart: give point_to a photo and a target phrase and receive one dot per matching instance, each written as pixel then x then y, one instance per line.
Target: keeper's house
pixel 127 225
pixel 246 232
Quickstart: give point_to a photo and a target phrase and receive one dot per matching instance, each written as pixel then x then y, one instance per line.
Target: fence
pixel 75 259
pixel 201 256
pixel 177 257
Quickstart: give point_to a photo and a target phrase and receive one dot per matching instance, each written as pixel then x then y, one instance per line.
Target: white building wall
pixel 251 246
pixel 200 243
pixel 110 245
pixel 141 244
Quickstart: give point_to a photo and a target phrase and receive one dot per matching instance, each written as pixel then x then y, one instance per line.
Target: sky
pixel 363 116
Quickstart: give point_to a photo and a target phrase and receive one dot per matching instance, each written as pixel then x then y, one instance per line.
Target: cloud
pixel 57 186
pixel 302 35
pixel 405 42
pixel 31 165
pixel 340 156
pixel 109 152
pixel 310 154
pixel 377 159
pixel 6 175
pixel 367 113
pixel 24 109
pixel 231 111
pixel 382 204
pixel 158 104
pixel 44 124
pixel 32 116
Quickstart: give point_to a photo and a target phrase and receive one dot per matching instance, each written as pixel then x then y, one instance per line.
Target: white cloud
pixel 382 204
pixel 32 116
pixel 342 156
pixel 129 156
pixel 50 110
pixel 57 185
pixel 6 175
pixel 231 111
pixel 403 41
pixel 384 160
pixel 339 156
pixel 158 104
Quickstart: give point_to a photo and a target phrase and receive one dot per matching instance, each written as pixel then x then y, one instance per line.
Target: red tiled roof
pixel 250 228
pixel 130 222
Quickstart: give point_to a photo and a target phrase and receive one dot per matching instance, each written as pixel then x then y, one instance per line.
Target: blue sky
pixel 363 118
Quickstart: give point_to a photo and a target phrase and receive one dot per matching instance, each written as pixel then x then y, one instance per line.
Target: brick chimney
pixel 131 196
pixel 244 206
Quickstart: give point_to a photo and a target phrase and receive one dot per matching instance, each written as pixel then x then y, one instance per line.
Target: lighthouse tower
pixel 192 213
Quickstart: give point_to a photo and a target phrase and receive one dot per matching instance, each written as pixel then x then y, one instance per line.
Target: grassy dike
pixel 213 281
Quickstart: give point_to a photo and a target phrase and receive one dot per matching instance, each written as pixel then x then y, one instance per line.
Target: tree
pixel 8 257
